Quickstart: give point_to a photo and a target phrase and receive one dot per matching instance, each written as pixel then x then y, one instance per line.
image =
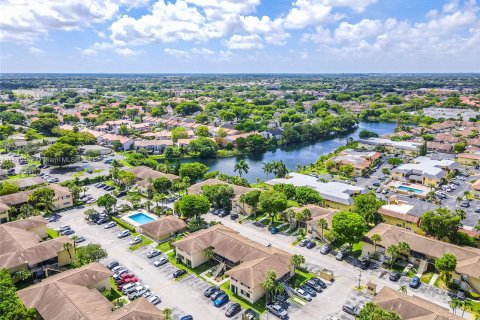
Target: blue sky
pixel 284 36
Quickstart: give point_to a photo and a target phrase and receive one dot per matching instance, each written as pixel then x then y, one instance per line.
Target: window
pixel 245 293
pixel 189 263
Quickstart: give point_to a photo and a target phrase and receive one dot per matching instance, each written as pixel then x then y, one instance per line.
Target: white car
pixel 160 262
pixel 123 234
pixel 154 300
pixel 109 225
pixel 135 241
pixel 303 294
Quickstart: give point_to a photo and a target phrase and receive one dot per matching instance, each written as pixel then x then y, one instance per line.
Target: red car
pixel 123 282
pixel 127 275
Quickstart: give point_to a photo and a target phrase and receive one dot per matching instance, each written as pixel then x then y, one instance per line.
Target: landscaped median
pixel 52 233
pixel 124 224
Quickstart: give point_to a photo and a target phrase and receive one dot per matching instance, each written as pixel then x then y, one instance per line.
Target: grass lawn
pixel 145 242
pixel 20 176
pixel 300 277
pixel 439 283
pixel 357 249
pixel 292 203
pixel 196 271
pixel 125 163
pixel 258 306
pixel 164 247
pixel 52 233
pixel 426 277
pixel 112 294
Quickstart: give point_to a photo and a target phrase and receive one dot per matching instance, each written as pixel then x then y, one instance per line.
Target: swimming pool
pixel 409 189
pixel 140 218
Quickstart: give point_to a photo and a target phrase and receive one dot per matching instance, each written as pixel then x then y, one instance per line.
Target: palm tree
pixel 290 215
pixel 148 205
pixel 404 248
pixel 241 166
pixel 268 168
pixel 269 283
pixel 454 303
pixel 403 289
pixel 322 224
pixel 393 252
pixel 74 238
pixel 376 238
pixel 209 253
pixel 465 305
pixel 280 170
pixel 67 246
pixel 297 260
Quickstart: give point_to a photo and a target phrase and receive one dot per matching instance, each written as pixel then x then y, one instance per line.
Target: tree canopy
pixel 348 227
pixel 11 307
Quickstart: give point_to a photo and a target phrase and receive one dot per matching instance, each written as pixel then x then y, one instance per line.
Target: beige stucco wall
pixel 196 259
pixel 255 293
pixel 64 258
pixel 40 231
pixel 66 202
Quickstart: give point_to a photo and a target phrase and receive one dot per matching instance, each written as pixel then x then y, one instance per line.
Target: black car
pixel 233 310
pixel 234 216
pixel 210 290
pixel 113 264
pixel 121 194
pixel 223 213
pixel 394 276
pixel 178 273
pixel 310 244
pixel 314 285
pixel 348 308
pixel 365 263
pixel 319 282
pixel 376 184
pixel 102 221
pixel 309 290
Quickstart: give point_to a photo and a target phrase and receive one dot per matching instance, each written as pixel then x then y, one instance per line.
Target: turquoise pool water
pixel 409 189
pixel 140 218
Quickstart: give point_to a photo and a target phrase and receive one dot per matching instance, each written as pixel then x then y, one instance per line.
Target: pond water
pixel 293 156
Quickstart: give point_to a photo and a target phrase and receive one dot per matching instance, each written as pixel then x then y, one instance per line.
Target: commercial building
pixel 247 262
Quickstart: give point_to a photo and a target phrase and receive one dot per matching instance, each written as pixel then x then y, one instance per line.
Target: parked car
pixel 350 309
pixel 394 276
pixel 309 290
pixel 233 216
pixel 274 230
pixel 154 300
pixel 102 221
pixel 80 240
pixel 341 255
pixel 112 264
pixel 110 225
pixel 135 241
pixel 303 243
pixel 188 317
pixel 216 294
pixel 325 249
pixel 153 253
pixel 314 285
pixel 160 262
pixel 223 213
pixel 65 227
pixel 210 290
pixel 415 282
pixel 277 310
pixel 123 234
pixel 221 300
pixel 233 309
pixel 319 282
pixel 365 263
pixel 303 294
pixel 465 204
pixel 310 244
pixel 178 273
pixel 67 232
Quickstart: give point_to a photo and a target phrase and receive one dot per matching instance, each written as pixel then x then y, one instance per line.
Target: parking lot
pixel 184 296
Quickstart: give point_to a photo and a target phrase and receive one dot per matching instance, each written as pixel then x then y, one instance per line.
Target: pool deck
pixel 134 223
pixel 396 184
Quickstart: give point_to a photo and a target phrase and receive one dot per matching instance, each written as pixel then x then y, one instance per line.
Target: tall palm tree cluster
pixel 278 168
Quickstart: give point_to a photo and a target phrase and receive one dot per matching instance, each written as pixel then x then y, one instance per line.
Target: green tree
pixel 286 188
pixel 269 283
pixel 272 202
pixel 251 198
pixel 297 260
pixel 192 170
pixel 322 224
pixel 376 238
pixel 366 134
pixel 459 147
pixel 306 195
pixel 11 307
pixel 193 206
pixel 348 227
pixel 393 252
pixel 280 169
pixel 367 206
pixel 422 150
pixel 370 311
pixel 162 184
pixel 167 314
pixel 179 133
pixel 107 202
pixel 42 199
pixel 8 164
pixel 219 195
pixel 445 265
pixel 394 161
pixel 346 169
pixel 241 166
pixel 8 187
pixel 45 125
pixel 441 223
pixel 206 148
pixel 268 168
pixel 202 131
pixel 60 154
pixel 92 252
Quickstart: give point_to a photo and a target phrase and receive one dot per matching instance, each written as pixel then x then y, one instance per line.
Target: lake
pixel 303 155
